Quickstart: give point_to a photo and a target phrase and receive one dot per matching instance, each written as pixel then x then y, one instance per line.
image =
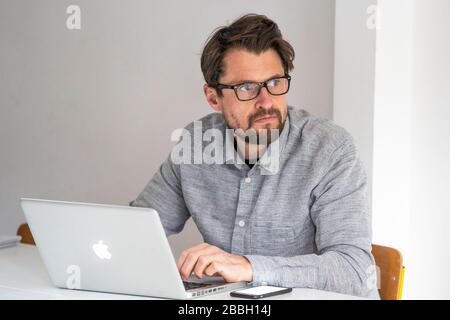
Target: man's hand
pixel 206 259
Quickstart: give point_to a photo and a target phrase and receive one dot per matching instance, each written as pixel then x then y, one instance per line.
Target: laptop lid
pixel 106 248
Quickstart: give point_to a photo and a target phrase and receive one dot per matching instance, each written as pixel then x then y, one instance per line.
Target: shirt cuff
pixel 263 269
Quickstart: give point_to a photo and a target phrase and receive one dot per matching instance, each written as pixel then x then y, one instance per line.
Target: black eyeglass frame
pixel 260 86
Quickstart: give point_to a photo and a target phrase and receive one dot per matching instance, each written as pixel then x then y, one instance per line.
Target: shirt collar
pixel 269 163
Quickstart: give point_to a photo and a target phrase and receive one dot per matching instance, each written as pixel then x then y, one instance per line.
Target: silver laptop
pixel 108 248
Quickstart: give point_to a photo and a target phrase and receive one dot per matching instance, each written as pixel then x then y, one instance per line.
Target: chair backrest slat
pixel 390 264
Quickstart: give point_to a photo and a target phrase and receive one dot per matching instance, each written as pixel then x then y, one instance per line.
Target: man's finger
pixel 186 253
pixel 214 268
pixel 191 259
pixel 203 262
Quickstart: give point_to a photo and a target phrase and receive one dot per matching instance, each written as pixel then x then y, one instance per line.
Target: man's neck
pixel 249 152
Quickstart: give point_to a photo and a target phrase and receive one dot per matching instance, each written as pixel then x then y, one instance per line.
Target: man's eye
pixel 273 82
pixel 247 87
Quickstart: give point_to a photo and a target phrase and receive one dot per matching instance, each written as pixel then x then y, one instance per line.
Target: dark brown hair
pixel 253 32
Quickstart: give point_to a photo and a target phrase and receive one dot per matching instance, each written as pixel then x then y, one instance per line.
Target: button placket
pixel 242 213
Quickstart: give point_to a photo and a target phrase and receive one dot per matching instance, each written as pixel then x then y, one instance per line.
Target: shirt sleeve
pixel 163 193
pixel 339 211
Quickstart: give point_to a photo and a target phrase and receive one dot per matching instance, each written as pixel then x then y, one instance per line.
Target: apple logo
pixel 101 250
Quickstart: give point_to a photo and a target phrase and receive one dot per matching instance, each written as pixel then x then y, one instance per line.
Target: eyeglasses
pixel 250 90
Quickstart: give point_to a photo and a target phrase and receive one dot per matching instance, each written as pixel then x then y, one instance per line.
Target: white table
pixel 23 276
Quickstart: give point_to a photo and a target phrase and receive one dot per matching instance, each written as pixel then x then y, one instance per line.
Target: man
pixel 301 223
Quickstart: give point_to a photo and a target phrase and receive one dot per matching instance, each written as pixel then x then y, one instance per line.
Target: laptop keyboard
pixel 193 285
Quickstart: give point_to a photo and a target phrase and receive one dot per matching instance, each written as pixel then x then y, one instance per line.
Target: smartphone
pixel 259 292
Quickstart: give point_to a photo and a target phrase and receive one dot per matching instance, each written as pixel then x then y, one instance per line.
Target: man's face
pixel 265 111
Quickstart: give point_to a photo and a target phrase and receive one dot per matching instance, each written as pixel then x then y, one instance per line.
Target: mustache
pixel 263 113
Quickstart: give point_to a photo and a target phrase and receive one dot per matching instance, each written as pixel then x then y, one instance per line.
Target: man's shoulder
pixel 311 129
pixel 213 120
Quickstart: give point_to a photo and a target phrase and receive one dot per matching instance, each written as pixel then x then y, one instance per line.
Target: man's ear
pixel 212 97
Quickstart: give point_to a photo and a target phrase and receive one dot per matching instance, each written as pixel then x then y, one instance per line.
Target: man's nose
pixel 264 99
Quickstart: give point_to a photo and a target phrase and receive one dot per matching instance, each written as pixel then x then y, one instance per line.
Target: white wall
pixel 429 224
pixel 411 154
pixel 392 125
pixel 409 123
pixel 354 76
pixel 87 115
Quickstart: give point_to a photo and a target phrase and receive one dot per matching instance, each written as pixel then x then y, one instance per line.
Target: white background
pixel 87 115
pixel 403 127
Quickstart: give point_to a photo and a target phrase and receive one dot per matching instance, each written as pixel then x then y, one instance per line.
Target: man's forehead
pixel 242 65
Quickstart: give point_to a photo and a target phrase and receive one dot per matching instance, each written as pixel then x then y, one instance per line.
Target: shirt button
pixel 248 180
pixel 241 223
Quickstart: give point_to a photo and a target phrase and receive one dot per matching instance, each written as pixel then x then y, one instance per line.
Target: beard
pixel 261 136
